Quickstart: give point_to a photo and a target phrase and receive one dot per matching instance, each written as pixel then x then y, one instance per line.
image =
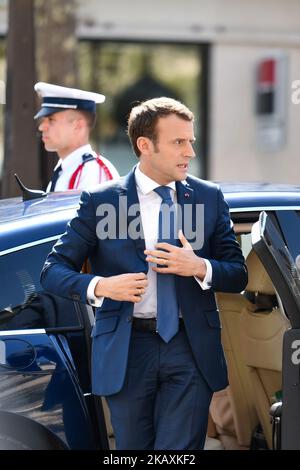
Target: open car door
pixel 276 240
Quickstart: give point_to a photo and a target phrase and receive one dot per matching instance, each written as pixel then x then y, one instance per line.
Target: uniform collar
pixel 75 157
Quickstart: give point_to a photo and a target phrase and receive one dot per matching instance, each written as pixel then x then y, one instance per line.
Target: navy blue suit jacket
pixel 108 257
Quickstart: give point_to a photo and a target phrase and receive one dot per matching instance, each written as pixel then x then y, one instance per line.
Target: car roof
pixel 43 219
pixel 14 208
pixel 245 197
pixel 240 196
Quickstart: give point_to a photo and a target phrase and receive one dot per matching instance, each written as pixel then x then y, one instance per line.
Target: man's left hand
pixel 177 260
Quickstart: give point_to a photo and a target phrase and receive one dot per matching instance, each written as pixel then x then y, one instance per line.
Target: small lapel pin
pixel 186 195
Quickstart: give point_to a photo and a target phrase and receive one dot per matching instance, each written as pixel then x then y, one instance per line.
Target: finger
pixel 139 290
pixel 135 287
pixel 133 295
pixel 136 298
pixel 157 259
pixel 165 246
pixel 184 241
pixel 143 283
pixel 139 276
pixel 158 253
pixel 135 291
pixel 161 261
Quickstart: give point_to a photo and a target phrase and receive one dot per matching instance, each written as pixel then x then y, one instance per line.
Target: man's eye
pixel 178 141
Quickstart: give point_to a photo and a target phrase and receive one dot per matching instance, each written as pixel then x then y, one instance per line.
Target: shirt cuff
pixel 90 295
pixel 206 283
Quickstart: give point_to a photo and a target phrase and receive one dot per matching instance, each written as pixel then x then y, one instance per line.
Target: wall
pixel 235 152
pixel 240 32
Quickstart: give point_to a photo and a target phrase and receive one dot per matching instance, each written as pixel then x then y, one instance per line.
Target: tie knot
pixel 164 192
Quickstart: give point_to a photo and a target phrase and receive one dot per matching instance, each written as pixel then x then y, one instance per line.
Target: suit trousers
pixel 164 402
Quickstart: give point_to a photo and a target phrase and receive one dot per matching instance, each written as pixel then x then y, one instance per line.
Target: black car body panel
pixel 276 241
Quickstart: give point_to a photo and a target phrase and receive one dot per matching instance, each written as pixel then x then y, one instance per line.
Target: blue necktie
pixel 167 305
pixel 55 178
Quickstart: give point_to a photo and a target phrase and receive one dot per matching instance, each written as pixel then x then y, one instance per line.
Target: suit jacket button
pixel 75 297
pixel 129 319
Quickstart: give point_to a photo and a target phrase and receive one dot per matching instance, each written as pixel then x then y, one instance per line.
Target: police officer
pixel 66 118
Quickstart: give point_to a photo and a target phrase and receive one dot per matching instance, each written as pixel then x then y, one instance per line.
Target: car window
pixel 23 302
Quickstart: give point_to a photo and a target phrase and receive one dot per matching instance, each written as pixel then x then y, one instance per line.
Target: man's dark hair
pixel 143 118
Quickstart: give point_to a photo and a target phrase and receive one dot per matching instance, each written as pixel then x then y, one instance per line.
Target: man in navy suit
pixel 157 353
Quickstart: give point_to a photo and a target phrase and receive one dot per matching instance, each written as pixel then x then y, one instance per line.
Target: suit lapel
pixel 134 220
pixel 186 214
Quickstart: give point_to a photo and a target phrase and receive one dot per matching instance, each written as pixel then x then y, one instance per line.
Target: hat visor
pixel 47 111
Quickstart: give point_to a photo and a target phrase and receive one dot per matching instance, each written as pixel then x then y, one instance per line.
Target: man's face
pixel 169 158
pixel 58 132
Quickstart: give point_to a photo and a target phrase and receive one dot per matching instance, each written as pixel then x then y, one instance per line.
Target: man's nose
pixel 189 151
pixel 42 125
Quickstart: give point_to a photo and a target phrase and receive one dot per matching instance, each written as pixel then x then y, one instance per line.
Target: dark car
pixel 45 385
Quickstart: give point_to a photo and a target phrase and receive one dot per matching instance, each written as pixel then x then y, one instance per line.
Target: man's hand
pixel 129 287
pixel 181 261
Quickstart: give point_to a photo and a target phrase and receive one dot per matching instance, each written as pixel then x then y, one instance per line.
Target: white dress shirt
pixel 91 174
pixel 150 203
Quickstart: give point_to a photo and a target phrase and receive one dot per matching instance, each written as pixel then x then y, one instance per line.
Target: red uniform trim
pixel 78 171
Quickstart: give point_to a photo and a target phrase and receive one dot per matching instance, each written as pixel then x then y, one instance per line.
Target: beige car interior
pixel 253 326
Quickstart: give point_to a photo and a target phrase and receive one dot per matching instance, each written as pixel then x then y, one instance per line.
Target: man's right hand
pixel 129 287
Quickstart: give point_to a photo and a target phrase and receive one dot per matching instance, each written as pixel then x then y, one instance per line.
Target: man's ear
pixel 145 145
pixel 79 123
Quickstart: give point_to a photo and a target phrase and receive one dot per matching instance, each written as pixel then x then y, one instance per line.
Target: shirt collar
pixel 146 184
pixel 75 157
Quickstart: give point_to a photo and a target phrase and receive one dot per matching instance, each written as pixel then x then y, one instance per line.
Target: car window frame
pixel 49 330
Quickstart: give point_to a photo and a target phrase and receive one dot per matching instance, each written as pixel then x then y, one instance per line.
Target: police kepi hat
pixel 57 98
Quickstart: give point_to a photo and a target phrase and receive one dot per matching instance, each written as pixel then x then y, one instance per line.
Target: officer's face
pixel 58 131
pixel 168 159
